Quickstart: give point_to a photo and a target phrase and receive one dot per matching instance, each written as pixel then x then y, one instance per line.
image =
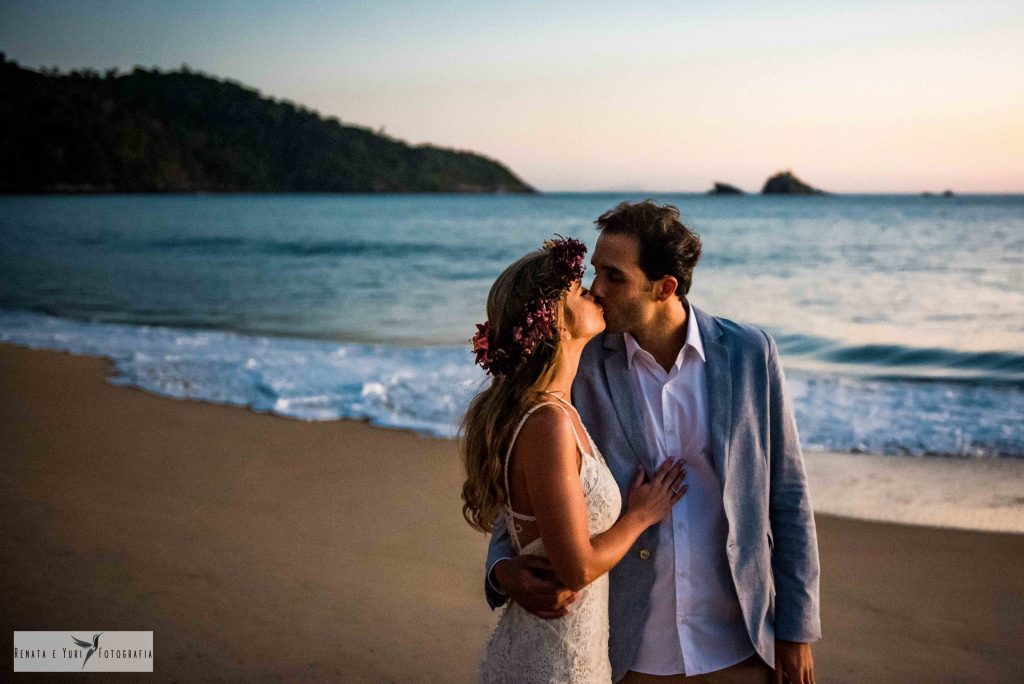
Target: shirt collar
pixel 692 340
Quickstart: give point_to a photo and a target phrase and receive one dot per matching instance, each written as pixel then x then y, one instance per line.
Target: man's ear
pixel 665 287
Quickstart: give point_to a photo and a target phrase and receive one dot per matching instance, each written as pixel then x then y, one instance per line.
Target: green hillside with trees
pixel 183 131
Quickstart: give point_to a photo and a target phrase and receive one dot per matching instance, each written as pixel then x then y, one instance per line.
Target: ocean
pixel 900 319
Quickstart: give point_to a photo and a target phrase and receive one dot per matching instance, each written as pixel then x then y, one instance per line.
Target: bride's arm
pixel 546 450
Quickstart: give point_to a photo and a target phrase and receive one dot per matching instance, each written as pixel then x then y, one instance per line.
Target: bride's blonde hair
pixel 493 413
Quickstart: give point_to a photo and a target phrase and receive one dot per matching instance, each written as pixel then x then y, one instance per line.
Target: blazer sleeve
pixel 500 547
pixel 795 566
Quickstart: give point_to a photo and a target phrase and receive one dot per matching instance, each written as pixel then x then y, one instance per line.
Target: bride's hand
pixel 653 501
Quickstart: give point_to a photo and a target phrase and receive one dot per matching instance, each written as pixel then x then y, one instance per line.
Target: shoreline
pixel 261 548
pixel 966 493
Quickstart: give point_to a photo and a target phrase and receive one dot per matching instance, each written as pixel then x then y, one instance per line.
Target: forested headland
pixel 184 131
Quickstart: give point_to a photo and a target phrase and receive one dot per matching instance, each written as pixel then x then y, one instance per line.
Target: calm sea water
pixel 900 318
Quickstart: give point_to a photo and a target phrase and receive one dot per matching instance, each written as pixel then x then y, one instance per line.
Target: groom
pixel 728 583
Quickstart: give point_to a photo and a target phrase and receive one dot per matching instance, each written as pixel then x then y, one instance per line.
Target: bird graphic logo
pixel 85 644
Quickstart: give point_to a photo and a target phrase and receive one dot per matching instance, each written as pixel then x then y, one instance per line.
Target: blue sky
pixel 854 97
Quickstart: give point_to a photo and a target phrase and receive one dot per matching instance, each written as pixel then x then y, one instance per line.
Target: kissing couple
pixel 637 463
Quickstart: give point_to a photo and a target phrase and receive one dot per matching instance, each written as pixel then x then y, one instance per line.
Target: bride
pixel 528 457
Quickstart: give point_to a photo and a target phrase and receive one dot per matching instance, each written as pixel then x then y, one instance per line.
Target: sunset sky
pixel 854 97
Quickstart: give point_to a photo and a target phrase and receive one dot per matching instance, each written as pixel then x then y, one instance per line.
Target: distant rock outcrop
pixel 724 189
pixel 785 183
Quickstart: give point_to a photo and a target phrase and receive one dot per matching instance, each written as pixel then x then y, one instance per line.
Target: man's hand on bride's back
pixel 531 582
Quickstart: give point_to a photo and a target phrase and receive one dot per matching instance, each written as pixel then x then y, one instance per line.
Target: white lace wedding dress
pixel 525 649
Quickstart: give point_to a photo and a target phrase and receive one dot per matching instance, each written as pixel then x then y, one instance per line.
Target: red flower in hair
pixel 481 344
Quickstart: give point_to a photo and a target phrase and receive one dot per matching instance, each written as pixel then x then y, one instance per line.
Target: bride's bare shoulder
pixel 546 440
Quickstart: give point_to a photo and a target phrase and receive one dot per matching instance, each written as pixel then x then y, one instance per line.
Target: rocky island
pixel 785 183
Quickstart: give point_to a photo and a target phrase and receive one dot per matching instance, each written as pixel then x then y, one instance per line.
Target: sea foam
pixel 426 389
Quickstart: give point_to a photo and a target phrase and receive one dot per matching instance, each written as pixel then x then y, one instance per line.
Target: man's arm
pixel 500 547
pixel 545 598
pixel 795 556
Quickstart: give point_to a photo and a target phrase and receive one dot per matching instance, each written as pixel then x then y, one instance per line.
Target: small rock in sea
pixel 724 189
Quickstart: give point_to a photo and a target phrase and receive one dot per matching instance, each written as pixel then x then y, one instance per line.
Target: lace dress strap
pixel 594 451
pixel 512 528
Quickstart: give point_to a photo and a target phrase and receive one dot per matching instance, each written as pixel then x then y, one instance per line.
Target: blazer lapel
pixel 620 385
pixel 719 375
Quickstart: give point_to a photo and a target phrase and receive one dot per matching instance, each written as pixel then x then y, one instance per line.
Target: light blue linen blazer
pixel 772 544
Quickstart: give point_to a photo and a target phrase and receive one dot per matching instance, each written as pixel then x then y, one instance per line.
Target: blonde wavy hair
pixel 487 427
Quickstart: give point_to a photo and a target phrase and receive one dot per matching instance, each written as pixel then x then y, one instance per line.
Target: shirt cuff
pixel 490 575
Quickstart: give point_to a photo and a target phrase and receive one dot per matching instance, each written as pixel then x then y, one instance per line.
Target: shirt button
pixel 645 554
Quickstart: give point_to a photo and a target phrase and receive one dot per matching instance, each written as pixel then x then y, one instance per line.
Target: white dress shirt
pixel 696 624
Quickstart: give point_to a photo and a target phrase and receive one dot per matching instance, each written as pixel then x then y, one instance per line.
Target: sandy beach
pixel 260 548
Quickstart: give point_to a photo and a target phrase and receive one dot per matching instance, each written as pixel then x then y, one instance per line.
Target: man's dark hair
pixel 667 247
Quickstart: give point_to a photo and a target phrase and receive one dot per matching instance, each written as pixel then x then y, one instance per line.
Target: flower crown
pixel 536 324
